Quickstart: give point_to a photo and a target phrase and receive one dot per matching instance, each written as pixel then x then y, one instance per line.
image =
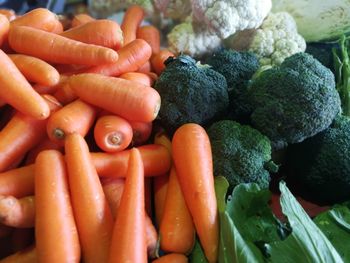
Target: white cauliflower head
pixel 175 9
pixel 226 17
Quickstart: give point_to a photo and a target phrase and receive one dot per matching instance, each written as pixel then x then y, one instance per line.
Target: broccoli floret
pixel 238 69
pixel 321 164
pixel 240 153
pixel 294 101
pixel 190 92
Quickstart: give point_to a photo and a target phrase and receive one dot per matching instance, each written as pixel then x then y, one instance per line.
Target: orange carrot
pixel 36 70
pixel 92 214
pixel 43 89
pixel 58 49
pixel 151 35
pixel 139 77
pixel 27 255
pixel 122 97
pixel 112 133
pixel 4 28
pixel 176 227
pixel 156 161
pixel 172 258
pixel 81 19
pixel 9 13
pixel 19 135
pixel 102 32
pixel 129 234
pixel 64 93
pixel 145 68
pixel 17 182
pixel 17 212
pixel 40 18
pixel 131 21
pixel 16 91
pixel 70 69
pixel 21 238
pixel 158 59
pixel 56 234
pixel 75 117
pixel 193 162
pixel 141 132
pixel 131 57
pixel 44 144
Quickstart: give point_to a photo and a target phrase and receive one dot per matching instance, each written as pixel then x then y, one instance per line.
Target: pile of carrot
pixel 84 176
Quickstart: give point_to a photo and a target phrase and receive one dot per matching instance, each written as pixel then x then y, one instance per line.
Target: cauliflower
pixel 226 17
pixel 175 9
pixel 275 40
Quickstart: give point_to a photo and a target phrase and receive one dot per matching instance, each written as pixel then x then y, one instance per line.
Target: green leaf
pixel 221 185
pixel 306 243
pixel 197 254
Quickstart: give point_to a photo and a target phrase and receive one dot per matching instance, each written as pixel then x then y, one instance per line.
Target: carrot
pixel 56 234
pixel 193 162
pixel 44 144
pixel 64 93
pixel 9 13
pixel 57 49
pixel 40 18
pixel 70 69
pixel 17 212
pixel 75 117
pixel 131 21
pixel 156 161
pixel 157 61
pixel 122 97
pixel 102 32
pixel 4 28
pixel 141 132
pixel 112 133
pixel 36 70
pixel 81 19
pixel 172 258
pixel 19 135
pixel 176 227
pixel 27 255
pixel 151 237
pixel 131 57
pixel 92 214
pixel 16 91
pixel 151 35
pixel 139 77
pixel 21 238
pixel 145 68
pixel 43 89
pixel 17 182
pixel 128 239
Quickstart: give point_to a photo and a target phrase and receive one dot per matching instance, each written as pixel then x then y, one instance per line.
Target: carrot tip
pixel 58 134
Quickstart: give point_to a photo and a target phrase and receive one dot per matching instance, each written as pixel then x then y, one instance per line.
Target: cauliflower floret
pixel 226 17
pixel 175 9
pixel 275 40
pixel 192 39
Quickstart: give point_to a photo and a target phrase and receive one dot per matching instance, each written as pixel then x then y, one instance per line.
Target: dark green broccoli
pixel 190 92
pixel 240 153
pixel 238 69
pixel 294 101
pixel 321 164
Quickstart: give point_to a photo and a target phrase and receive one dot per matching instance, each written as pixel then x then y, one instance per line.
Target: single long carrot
pixel 194 166
pixel 92 213
pixel 36 70
pixel 119 96
pixel 141 132
pixel 40 18
pixel 131 22
pixel 139 77
pixel 75 117
pixel 176 227
pixel 16 91
pixel 112 133
pixel 80 19
pixel 171 258
pixel 131 57
pixel 101 32
pixel 27 255
pixel 17 212
pixel 129 234
pixel 56 235
pixel 151 35
pixel 58 49
pixel 4 28
pixel 44 144
pixel 9 13
pixel 157 61
pixel 156 161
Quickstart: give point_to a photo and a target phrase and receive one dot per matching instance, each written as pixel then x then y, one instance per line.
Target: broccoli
pixel 240 153
pixel 294 101
pixel 190 92
pixel 321 164
pixel 238 68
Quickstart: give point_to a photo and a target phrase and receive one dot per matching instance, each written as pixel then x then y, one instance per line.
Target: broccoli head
pixel 190 92
pixel 294 101
pixel 238 69
pixel 321 164
pixel 240 153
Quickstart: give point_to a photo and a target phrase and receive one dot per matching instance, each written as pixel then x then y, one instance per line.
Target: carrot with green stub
pixel 119 96
pixel 58 49
pixel 91 211
pixel 4 28
pixel 193 162
pixel 131 22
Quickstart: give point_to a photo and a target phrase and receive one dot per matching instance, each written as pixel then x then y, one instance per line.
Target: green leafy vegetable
pixel 197 255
